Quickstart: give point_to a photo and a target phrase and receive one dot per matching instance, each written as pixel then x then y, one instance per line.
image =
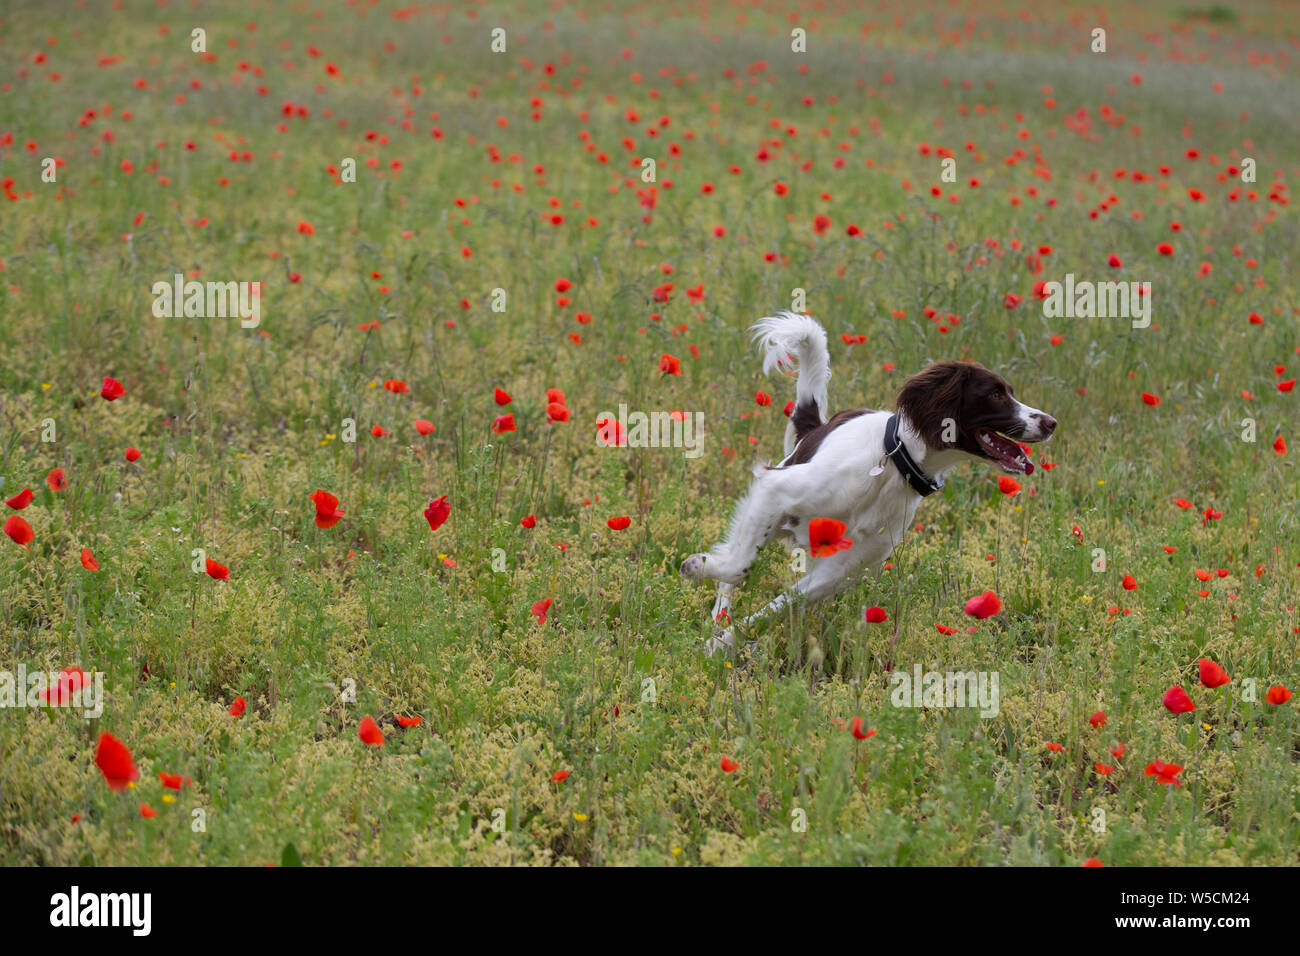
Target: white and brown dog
pixel 866 468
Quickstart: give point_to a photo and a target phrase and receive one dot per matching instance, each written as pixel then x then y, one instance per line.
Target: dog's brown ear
pixel 933 397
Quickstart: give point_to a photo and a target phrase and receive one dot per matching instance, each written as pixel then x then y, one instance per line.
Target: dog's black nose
pixel 1047 422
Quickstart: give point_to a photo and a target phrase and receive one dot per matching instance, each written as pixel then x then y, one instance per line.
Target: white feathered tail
pixel 788 334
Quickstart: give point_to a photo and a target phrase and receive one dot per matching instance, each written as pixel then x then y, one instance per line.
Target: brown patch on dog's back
pixel 807 417
pixel 813 439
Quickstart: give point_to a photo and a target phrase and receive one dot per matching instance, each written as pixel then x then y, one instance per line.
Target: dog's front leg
pixel 722 606
pixel 828 577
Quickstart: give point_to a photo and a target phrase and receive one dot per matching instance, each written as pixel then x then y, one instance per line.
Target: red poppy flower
pixel 859 730
pixel 1212 675
pixel 1150 399
pixel 875 615
pixel 1278 694
pixel 559 776
pixel 503 423
pixel 501 397
pixel 238 707
pixel 408 721
pixel 18 529
pixel 540 608
pixel 1176 701
pixel 529 521
pixel 379 431
pixel 173 781
pixel 21 500
pixel 610 432
pixel 619 524
pixel 115 763
pixel 1129 583
pixel 1098 720
pixel 131 454
pixel 437 512
pixel 728 765
pixel 556 412
pixel 1165 773
pixel 327 509
pixel 984 605
pixel 147 811
pixel 1183 503
pixel 1279 445
pixel 670 365
pixel 826 536
pixel 112 390
pixel 1008 485
pixel 218 571
pixel 1286 386
pixel 56 479
pixel 424 427
pixel 71 679
pixel 88 560
pixel 370 733
pixel 762 399
pixel 556 396
pixel 1114 262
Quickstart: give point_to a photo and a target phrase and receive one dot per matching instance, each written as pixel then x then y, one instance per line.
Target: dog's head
pixel 963 405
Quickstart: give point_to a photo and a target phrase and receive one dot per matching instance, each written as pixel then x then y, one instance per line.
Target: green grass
pixel 239 426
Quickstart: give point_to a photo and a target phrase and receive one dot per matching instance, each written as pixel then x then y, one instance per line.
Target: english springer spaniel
pixel 866 468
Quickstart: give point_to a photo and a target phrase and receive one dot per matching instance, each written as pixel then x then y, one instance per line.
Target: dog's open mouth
pixel 1002 450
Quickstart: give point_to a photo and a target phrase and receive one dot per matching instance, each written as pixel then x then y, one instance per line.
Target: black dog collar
pixel 896 451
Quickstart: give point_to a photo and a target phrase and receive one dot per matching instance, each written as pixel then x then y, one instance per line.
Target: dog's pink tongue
pixel 1009 454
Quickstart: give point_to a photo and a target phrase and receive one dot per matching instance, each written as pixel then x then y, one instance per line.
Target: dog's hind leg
pixel 756 522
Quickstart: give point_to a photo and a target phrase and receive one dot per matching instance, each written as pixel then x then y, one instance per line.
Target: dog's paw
pixel 693 567
pixel 722 640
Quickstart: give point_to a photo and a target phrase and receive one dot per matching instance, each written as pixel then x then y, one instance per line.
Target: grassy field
pixel 483 179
